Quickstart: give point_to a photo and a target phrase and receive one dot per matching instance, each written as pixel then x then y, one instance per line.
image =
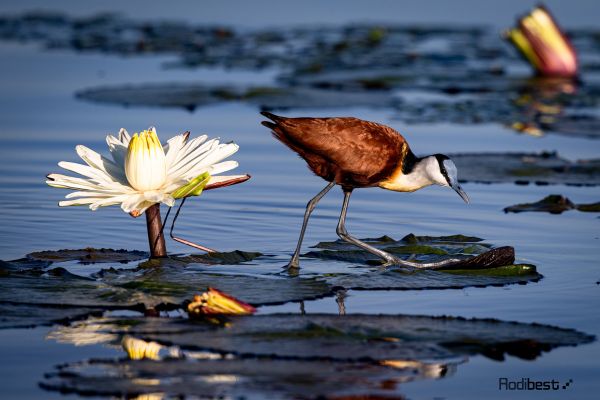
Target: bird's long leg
pixel 295 262
pixel 344 235
pixel 387 257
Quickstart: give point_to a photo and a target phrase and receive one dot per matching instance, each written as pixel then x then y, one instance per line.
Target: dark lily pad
pixel 412 239
pixel 239 378
pixel 424 248
pixel 163 284
pixel 525 168
pixel 295 356
pixel 89 255
pixel 456 278
pixel 175 283
pixel 169 283
pixel 347 338
pixel 478 264
pixel 233 257
pixel 29 316
pixel 191 96
pixel 592 207
pixel 553 204
pixel 468 70
pixel 61 289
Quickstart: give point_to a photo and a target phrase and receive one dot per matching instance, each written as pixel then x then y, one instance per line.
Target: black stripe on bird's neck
pixel 440 159
pixel 409 162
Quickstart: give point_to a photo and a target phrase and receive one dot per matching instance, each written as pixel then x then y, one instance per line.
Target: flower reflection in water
pixel 540 104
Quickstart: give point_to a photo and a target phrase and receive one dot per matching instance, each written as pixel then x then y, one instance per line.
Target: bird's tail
pixel 272 117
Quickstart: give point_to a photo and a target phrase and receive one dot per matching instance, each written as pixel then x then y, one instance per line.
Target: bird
pixel 354 153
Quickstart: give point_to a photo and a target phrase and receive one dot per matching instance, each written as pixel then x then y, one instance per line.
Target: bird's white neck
pixel 424 173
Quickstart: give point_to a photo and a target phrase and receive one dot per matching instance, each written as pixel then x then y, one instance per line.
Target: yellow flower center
pixel 145 163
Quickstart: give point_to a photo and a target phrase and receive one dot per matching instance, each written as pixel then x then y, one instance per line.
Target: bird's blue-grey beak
pixel 460 192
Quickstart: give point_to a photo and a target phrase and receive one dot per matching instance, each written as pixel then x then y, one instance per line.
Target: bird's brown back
pixel 348 151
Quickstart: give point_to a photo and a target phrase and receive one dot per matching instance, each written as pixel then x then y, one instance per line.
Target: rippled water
pixel 41 122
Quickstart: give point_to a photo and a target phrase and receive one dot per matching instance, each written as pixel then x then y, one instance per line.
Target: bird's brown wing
pixel 355 152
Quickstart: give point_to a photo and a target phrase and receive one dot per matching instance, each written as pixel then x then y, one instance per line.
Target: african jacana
pixel 354 153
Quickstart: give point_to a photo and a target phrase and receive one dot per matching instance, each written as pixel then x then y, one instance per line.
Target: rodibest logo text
pixel 532 384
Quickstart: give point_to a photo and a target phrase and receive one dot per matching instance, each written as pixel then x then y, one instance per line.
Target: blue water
pixel 41 122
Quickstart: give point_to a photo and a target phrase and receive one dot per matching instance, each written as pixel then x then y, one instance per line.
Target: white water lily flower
pixel 142 172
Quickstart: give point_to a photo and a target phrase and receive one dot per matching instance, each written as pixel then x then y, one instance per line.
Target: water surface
pixel 42 121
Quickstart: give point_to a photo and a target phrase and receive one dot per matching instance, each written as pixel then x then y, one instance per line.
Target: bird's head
pixel 442 171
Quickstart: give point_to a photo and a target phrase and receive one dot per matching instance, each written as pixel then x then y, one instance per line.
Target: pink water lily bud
pixel 214 302
pixel 541 41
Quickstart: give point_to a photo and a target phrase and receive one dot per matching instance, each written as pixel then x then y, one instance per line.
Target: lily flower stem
pixel 156 239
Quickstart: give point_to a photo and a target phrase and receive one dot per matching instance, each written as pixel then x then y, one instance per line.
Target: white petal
pixel 109 201
pixel 214 169
pixel 169 200
pixel 132 202
pixel 124 136
pixel 174 146
pixel 207 160
pixel 98 194
pixel 99 176
pixel 117 149
pixel 77 202
pixel 192 151
pixel 95 160
pixel 143 206
pixel 69 182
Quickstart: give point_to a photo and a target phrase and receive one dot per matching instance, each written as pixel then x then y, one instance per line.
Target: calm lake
pixel 41 121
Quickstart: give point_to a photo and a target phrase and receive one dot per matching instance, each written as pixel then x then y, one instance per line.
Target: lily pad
pixel 29 316
pixel 346 338
pixel 233 257
pixel 479 264
pixel 424 248
pixel 553 204
pixel 295 356
pixel 524 168
pixel 175 283
pixel 238 378
pixel 457 278
pixel 41 292
pixel 89 255
pixel 35 282
pixel 427 74
pixel 592 207
pixel 59 288
pixel 191 96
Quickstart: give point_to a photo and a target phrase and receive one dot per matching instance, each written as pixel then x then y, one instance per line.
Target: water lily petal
pixel 145 165
pixel 95 174
pixel 102 163
pixel 216 302
pixel 78 202
pixel 212 169
pixel 173 147
pixel 69 182
pixel 205 161
pixel 110 201
pixel 541 41
pixel 192 154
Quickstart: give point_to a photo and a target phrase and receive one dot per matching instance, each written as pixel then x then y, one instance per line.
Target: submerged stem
pixel 156 239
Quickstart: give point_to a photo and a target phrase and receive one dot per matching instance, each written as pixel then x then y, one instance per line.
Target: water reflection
pixel 540 104
pixel 290 355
